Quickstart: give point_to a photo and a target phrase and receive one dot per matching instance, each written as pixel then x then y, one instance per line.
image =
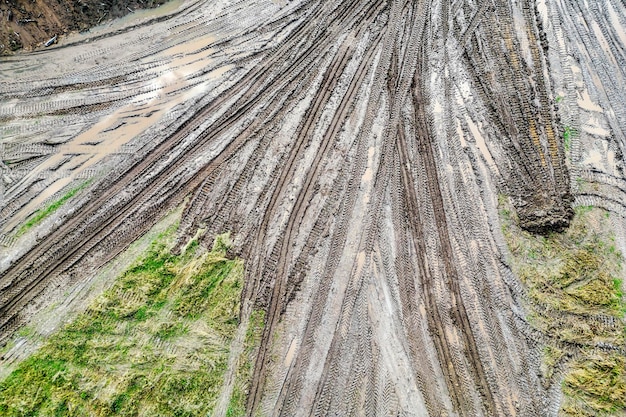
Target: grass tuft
pixel 43 213
pixel 568 133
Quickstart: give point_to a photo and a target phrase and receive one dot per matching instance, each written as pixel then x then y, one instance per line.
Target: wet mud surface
pixel 356 152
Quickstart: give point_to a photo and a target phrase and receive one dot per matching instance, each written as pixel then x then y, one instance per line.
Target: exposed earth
pixel 428 199
pixel 30 23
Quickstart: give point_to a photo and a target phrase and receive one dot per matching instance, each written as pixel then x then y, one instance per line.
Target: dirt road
pixel 355 151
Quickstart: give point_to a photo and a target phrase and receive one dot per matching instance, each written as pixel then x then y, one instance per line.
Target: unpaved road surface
pixel 355 150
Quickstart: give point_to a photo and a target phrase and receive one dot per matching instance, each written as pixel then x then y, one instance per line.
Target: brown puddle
pixel 109 135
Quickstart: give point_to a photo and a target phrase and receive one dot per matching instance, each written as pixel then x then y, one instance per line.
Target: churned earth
pixel 425 202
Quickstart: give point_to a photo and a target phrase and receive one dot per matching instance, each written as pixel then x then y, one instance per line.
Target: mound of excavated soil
pixel 29 23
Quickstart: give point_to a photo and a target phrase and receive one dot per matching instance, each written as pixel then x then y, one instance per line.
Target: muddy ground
pixel 356 152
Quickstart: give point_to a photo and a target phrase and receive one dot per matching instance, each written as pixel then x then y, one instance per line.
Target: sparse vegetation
pixel 245 365
pixel 575 298
pixel 156 343
pixel 552 356
pixel 568 133
pixel 42 213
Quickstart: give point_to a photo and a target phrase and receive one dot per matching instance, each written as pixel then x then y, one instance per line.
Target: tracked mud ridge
pixel 354 150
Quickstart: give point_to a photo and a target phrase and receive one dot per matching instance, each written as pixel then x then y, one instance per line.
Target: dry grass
pixel 574 297
pixel 598 380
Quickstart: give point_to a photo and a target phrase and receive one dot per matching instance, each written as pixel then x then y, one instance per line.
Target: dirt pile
pixel 29 23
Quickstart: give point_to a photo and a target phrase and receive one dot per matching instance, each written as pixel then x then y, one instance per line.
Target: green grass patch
pixel 573 284
pixel 156 343
pixel 42 213
pixel 568 133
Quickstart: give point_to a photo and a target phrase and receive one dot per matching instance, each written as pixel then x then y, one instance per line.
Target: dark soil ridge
pixel 26 24
pixel 547 216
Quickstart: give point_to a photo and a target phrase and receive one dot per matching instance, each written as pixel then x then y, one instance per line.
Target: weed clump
pixel 598 381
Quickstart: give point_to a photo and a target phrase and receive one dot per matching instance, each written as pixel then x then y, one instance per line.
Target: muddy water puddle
pixel 480 142
pixel 111 134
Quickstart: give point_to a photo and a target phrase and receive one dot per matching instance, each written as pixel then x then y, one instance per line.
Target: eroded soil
pixel 26 24
pixel 356 152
